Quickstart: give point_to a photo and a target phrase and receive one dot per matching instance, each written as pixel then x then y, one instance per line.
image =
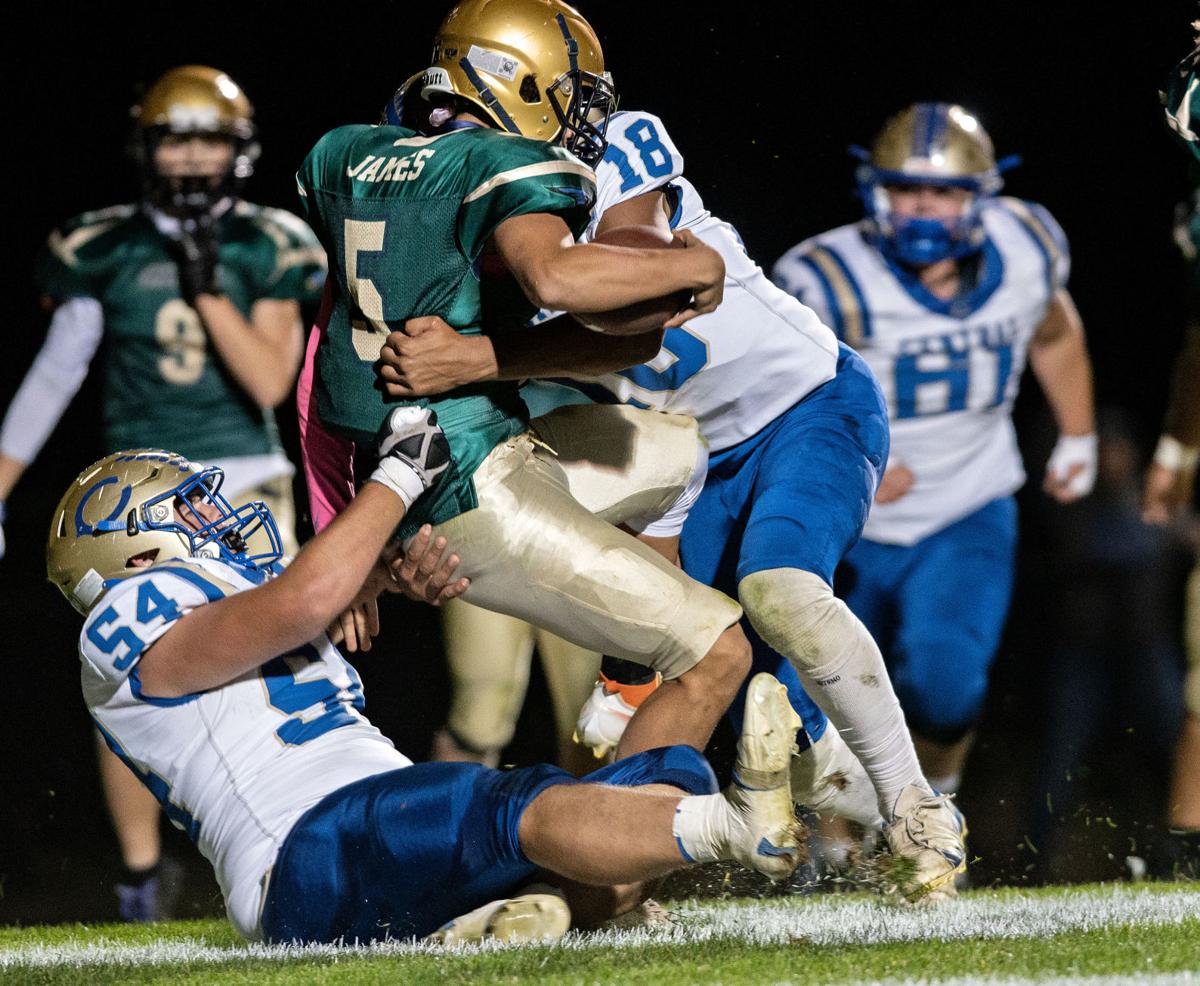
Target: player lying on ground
pixel 208 672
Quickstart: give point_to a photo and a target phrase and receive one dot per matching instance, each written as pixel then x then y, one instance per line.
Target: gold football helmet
pixel 532 67
pixel 930 144
pixel 143 504
pixel 194 99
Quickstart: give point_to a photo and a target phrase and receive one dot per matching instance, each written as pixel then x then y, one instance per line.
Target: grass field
pixel 1148 935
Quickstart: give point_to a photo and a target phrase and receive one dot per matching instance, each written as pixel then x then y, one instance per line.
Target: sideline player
pixel 206 669
pixel 795 461
pixel 507 207
pixel 945 289
pixel 191 296
pixel 1170 481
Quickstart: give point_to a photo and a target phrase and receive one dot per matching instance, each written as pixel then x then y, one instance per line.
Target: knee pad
pixel 798 615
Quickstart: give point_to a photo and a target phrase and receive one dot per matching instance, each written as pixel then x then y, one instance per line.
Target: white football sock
pixel 841 668
pixel 701 828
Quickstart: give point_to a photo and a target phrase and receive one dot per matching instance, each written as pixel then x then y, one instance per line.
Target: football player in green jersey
pixel 476 222
pixel 192 297
pixel 1170 481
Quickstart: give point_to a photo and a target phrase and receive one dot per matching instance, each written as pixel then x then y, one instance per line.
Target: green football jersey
pixel 164 386
pixel 405 220
pixel 1181 100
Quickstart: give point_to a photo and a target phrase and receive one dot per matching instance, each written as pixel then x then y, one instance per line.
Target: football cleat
pixel 829 779
pixel 765 833
pixel 929 832
pixel 528 918
pixel 607 712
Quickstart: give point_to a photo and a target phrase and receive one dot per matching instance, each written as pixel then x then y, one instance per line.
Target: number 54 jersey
pixel 949 369
pixel 236 766
pixel 737 369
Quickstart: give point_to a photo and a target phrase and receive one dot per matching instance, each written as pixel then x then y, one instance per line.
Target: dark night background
pixel 763 99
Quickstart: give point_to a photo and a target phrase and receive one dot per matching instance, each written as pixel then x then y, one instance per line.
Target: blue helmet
pixel 929 144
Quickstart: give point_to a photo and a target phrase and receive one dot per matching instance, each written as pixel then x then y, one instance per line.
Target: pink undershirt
pixel 328 459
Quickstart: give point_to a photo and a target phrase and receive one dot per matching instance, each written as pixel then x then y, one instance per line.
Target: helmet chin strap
pixel 487 97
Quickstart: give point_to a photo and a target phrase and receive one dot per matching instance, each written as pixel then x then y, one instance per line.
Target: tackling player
pixel 191 296
pixel 205 666
pixel 945 289
pixel 798 433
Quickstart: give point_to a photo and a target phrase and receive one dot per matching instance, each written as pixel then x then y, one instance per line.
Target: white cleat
pixel 929 831
pixel 607 712
pixel 766 834
pixel 829 779
pixel 529 918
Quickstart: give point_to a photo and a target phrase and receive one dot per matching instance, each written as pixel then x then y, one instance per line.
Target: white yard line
pixel 826 920
pixel 1129 979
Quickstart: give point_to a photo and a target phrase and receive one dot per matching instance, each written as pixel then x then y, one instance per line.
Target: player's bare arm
pixel 648 209
pixel 262 353
pixel 323 580
pixel 558 274
pixel 430 358
pixel 241 632
pixel 1171 476
pixel 1059 359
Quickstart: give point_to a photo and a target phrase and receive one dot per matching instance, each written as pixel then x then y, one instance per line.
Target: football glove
pixel 413 452
pixel 195 253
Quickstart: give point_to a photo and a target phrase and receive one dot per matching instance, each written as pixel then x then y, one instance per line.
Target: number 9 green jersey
pixel 163 385
pixel 405 220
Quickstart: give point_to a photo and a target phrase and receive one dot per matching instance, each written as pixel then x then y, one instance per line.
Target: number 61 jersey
pixel 949 369
pixel 736 369
pixel 236 766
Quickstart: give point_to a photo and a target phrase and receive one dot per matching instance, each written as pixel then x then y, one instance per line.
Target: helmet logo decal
pixel 110 523
pixel 186 117
pixel 493 62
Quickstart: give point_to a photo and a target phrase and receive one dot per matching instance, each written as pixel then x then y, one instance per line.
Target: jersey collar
pixel 989 278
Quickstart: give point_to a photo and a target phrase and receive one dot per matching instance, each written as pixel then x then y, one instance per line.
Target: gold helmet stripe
pixel 530 171
pixel 845 297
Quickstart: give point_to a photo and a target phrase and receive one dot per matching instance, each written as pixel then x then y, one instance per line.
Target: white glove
pixel 413 452
pixel 1070 452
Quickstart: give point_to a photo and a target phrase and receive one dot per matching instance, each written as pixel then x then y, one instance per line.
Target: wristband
pixel 400 477
pixel 1173 455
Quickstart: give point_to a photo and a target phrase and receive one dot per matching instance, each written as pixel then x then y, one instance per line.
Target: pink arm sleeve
pixel 328 459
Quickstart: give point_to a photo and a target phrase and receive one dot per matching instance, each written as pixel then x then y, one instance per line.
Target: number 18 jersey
pixel 737 369
pixel 236 766
pixel 949 369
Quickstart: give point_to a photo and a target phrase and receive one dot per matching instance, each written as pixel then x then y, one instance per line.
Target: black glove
pixel 195 253
pixel 413 452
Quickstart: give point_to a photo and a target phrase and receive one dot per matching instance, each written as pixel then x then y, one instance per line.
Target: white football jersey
pixel 949 369
pixel 234 767
pixel 735 369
